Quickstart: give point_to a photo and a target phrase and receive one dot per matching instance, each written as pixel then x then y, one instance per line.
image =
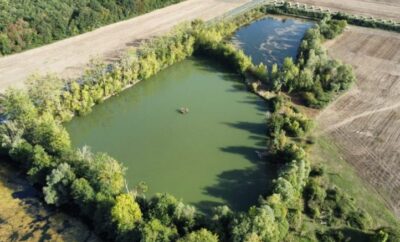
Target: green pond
pixel 206 157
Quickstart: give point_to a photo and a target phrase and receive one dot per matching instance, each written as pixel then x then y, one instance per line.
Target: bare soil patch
pixel 68 57
pixel 24 218
pixel 365 121
pixel 386 9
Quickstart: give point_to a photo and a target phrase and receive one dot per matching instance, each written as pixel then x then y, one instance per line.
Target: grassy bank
pixel 343 175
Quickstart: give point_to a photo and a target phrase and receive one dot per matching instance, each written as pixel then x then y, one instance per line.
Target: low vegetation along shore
pixel 302 205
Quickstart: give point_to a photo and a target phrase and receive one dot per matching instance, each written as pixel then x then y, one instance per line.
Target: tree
pixel 125 213
pixel 41 165
pixel 45 92
pixel 285 189
pixel 155 231
pixel 10 135
pixel 18 107
pixel 290 73
pixel 305 81
pixel 274 76
pixel 83 195
pixel 57 189
pixel 52 136
pixel 201 235
pixel 184 217
pixel 104 173
pixel 221 222
pixel 162 207
pixel 257 225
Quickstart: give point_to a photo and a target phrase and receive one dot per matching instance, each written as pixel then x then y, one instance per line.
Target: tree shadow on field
pixel 38 221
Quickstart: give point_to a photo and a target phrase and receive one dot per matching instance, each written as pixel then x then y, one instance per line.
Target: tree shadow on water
pixel 241 188
pixel 253 128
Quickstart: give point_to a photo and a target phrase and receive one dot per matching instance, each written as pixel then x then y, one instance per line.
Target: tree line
pixel 93 184
pixel 297 10
pixel 28 24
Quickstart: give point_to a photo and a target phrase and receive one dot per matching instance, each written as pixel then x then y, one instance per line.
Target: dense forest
pixel 27 24
pixel 93 184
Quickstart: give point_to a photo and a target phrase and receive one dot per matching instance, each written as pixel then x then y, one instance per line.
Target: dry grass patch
pixel 24 218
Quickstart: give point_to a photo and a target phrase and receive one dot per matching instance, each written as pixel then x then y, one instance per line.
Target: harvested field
pixel 365 121
pixel 386 9
pixel 23 217
pixel 68 57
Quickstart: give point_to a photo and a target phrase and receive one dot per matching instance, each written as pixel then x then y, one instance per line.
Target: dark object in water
pixel 184 110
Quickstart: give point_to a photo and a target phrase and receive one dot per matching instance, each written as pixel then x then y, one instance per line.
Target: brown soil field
pixel 68 57
pixel 365 121
pixel 386 9
pixel 24 218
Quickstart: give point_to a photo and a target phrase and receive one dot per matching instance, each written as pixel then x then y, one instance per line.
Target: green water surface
pixel 206 157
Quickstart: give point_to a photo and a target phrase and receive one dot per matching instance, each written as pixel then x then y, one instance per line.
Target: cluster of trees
pixel 27 24
pixel 331 205
pixel 288 121
pixel 315 76
pixel 320 77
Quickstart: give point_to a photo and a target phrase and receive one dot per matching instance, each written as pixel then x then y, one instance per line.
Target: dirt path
pixel 24 218
pixel 361 115
pixel 387 9
pixel 365 122
pixel 68 57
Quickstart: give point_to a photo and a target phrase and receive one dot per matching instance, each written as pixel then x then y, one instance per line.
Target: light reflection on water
pixel 270 40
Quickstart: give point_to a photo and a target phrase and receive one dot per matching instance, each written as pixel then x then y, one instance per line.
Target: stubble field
pixel 386 9
pixel 365 121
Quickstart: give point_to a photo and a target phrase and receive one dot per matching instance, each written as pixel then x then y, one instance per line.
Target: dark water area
pixel 271 39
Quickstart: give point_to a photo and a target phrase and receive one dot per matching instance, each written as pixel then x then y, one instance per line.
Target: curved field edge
pixel 287 188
